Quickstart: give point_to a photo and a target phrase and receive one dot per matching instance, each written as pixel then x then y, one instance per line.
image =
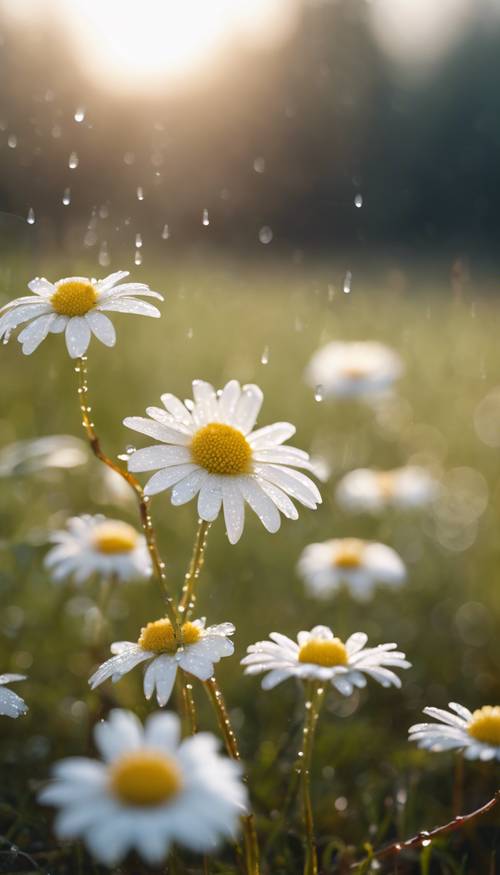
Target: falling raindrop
pixel 265 235
pixel 140 193
pixel 103 257
pixel 165 233
pixel 31 216
pixel 318 393
pixel 205 220
pixel 79 114
pixel 264 359
pixel 138 257
pixel 358 201
pixel 66 198
pixel 347 282
pixel 12 141
pixel 129 158
pixel 73 161
pixel 189 334
pixel 425 839
pixel 138 241
pixel 259 165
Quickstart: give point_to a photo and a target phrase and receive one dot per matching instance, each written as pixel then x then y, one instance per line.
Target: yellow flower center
pixel 221 449
pixel 485 724
pixel 159 636
pixel 355 372
pixel 350 554
pixel 74 298
pixel 145 778
pixel 326 653
pixel 113 536
pixel 385 481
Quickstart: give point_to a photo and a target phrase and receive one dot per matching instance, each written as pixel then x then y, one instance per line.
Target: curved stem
pixel 314 699
pixel 143 500
pixel 250 840
pixel 188 598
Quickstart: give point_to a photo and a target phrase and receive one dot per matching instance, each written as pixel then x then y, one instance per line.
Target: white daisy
pixel 373 491
pixel 319 656
pixel 11 705
pixel 208 448
pixel 148 791
pixel 354 369
pixel 97 545
pixel 76 305
pixel 199 650
pixel 476 733
pixel 358 564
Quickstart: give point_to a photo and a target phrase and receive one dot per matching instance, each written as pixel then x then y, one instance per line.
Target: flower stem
pixel 188 598
pixel 143 500
pixel 188 704
pixel 314 699
pixel 250 840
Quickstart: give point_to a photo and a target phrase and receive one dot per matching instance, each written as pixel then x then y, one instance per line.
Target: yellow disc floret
pixel 326 652
pixel 221 449
pixel 485 724
pixel 74 298
pixel 349 553
pixel 114 536
pixel 145 778
pixel 158 637
pixel 386 483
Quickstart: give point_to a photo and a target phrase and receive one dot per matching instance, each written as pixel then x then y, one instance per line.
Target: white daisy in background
pixel 149 791
pixel 199 650
pixel 98 545
pixel 11 705
pixel 76 305
pixel 360 565
pixel 52 451
pixel 319 656
pixel 353 369
pixel 476 733
pixel 372 491
pixel 208 448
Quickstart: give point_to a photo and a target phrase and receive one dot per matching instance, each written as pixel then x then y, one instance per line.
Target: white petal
pixel 280 498
pixel 12 318
pixel 120 733
pixel 41 286
pixel 210 499
pixel 187 488
pixel 150 458
pixel 111 280
pixel 130 305
pixel 32 336
pixel 228 400
pixel 166 478
pixel 206 407
pixel 234 511
pixel 102 327
pixel 157 430
pixel 177 409
pixel 260 503
pixel 271 435
pixel 77 336
pixel 248 408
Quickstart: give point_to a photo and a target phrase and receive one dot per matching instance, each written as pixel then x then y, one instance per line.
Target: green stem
pixel 188 598
pixel 143 500
pixel 250 841
pixel 314 699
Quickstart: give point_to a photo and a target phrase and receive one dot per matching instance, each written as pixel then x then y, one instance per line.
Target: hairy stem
pixel 314 699
pixel 188 598
pixel 250 840
pixel 142 499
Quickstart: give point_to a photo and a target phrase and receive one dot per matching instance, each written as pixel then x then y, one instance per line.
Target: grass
pixel 368 783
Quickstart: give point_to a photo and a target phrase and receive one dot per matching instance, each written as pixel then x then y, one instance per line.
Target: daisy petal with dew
pixel 359 565
pixel 354 369
pixel 77 306
pixel 149 790
pixel 210 448
pixel 196 653
pixel 11 705
pixel 366 490
pixel 475 733
pixel 319 656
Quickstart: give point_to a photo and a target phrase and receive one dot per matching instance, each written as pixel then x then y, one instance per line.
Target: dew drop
pixel 66 198
pixel 425 838
pixel 30 218
pixel 79 114
pixel 73 161
pixel 265 235
pixel 204 219
pixel 138 257
pixel 138 241
pixel 140 193
pixel 264 359
pixel 318 393
pixel 259 165
pixel 347 282
pixel 358 201
pixel 165 233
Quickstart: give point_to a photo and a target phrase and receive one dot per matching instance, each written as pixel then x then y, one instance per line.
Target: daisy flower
pixel 358 564
pixel 148 791
pixel 476 733
pixel 11 705
pixel 373 491
pixel 97 545
pixel 199 650
pixel 208 448
pixel 76 305
pixel 354 369
pixel 319 656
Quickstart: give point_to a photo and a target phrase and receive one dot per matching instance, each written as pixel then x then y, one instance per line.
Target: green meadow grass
pixel 218 321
